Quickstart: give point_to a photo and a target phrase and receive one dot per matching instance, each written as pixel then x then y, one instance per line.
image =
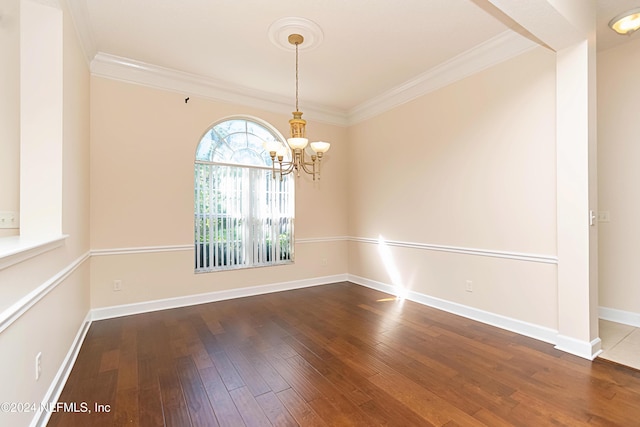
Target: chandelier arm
pixel 305 166
pixel 286 167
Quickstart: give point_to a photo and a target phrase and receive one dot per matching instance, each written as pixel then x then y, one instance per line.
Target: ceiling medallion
pixel 281 29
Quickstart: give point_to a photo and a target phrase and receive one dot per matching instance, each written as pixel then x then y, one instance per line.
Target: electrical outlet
pixel 117 285
pixel 603 216
pixel 9 220
pixel 38 365
pixel 324 262
pixel 469 286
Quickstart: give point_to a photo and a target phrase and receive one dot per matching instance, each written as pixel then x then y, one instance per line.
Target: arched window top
pixel 239 141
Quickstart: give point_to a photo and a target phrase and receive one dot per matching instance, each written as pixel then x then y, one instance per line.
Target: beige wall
pixel 143 143
pixel 468 168
pixel 619 175
pixel 471 165
pixel 51 325
pixel 9 108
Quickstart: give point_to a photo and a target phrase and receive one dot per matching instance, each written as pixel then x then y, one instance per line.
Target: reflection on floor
pixel 620 343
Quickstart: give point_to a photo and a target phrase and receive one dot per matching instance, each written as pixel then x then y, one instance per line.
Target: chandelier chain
pixel 297 76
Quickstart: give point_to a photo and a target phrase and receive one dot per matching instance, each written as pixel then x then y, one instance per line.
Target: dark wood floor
pixel 334 355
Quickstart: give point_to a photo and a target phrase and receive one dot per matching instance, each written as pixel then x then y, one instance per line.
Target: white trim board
pixel 586 350
pixel 190 247
pixel 188 300
pixel 620 316
pixel 518 256
pixel 15 249
pixel 17 309
pixel 41 418
pixel 523 328
pixel 141 250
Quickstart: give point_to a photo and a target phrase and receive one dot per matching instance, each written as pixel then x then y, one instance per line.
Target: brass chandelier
pixel 626 23
pixel 300 160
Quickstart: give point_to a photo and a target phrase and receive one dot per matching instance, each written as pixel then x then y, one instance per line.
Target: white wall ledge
pixel 15 249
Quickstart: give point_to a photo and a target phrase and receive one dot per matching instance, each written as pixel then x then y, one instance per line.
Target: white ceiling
pixel 369 47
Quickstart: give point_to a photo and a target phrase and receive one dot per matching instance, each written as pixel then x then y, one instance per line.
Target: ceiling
pixel 368 48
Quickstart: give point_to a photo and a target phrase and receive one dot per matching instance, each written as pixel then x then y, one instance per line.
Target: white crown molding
pixel 132 71
pixel 498 49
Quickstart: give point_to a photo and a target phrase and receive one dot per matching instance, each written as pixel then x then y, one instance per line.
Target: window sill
pixel 15 249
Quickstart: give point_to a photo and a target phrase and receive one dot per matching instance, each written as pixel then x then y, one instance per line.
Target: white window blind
pixel 243 217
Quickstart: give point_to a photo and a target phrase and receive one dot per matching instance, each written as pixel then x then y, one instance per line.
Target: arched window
pixel 243 217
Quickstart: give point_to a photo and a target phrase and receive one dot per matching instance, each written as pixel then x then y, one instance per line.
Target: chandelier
pixel 626 23
pixel 300 159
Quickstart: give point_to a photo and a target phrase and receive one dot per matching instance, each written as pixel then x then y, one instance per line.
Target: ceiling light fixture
pixel 626 23
pixel 298 141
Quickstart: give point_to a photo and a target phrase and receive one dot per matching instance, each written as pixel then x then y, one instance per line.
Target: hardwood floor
pixel 334 355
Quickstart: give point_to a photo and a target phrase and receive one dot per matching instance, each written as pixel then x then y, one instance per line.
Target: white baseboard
pixel 540 333
pixel 619 316
pixel 41 417
pixel 183 301
pixel 584 349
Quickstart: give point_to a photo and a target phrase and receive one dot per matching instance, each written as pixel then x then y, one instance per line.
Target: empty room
pixel 252 213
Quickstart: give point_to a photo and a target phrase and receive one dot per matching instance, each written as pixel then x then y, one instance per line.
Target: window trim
pixel 246 240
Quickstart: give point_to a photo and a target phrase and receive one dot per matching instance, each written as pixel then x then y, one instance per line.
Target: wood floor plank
pixel 274 380
pixel 275 410
pixel 225 410
pixel 254 381
pixel 336 378
pixel 330 392
pixel 125 407
pixel 174 406
pixel 334 355
pixel 227 371
pixel 300 409
pixel 200 410
pixel 249 409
